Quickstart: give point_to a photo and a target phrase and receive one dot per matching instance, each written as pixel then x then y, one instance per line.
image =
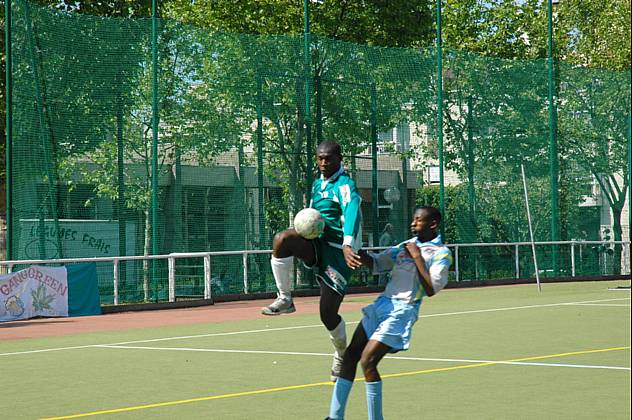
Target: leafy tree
pixel 586 32
pixel 594 34
pixel 594 116
pixel 81 112
pixel 514 107
pixel 342 76
pixel 497 28
pixel 489 125
pixel 193 126
pixel 396 23
pixel 593 124
pixel 113 8
pixel 594 104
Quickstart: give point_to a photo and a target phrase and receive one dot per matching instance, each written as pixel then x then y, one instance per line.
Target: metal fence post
pixel 573 259
pixel 440 114
pixel 154 145
pixel 260 180
pixel 456 263
pixel 375 209
pixel 116 281
pixel 517 253
pixel 172 279
pixel 9 129
pixel 245 262
pixel 207 276
pixel 553 143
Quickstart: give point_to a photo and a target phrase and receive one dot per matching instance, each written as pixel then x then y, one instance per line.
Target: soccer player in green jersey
pixel 336 197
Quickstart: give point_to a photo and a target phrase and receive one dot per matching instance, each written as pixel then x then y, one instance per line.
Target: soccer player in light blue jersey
pixel 419 267
pixel 331 255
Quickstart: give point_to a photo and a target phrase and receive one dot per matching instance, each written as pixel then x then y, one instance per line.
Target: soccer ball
pixel 309 223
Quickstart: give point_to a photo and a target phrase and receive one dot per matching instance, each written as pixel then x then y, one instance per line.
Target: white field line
pixel 603 304
pixel 47 350
pixel 423 359
pixel 513 308
pixel 153 340
pixel 283 353
pixel 184 337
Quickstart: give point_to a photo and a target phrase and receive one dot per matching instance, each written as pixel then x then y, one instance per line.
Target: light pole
pixel 154 144
pixel 9 128
pixel 440 116
pixel 306 69
pixel 629 179
pixel 553 158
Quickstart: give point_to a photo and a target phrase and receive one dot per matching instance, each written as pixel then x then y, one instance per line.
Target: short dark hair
pixel 432 212
pixel 330 145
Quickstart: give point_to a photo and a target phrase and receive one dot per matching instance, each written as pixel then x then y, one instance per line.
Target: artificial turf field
pixel 482 353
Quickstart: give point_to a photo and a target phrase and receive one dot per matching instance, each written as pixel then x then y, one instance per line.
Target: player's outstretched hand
pixel 352 259
pixel 414 251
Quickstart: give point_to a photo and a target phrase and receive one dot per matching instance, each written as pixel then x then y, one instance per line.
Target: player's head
pixel 425 223
pixel 328 157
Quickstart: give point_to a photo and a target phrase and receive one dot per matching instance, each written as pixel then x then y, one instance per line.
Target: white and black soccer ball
pixel 309 223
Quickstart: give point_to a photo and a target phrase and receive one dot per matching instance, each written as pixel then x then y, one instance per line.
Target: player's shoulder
pixel 443 255
pixel 345 179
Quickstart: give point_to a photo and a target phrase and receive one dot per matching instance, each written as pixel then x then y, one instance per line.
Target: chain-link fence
pixel 215 153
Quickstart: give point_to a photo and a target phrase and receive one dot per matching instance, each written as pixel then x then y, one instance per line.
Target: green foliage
pixel 497 28
pixel 278 63
pixel 114 8
pixel 586 32
pixel 485 126
pixel 499 212
pixel 397 23
pixel 595 34
pixel 118 8
pixel 429 196
pixel 593 126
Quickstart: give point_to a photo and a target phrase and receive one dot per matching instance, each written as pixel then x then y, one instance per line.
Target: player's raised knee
pixel 287 243
pixel 282 238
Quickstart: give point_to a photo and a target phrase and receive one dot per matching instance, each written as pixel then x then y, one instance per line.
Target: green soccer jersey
pixel 338 200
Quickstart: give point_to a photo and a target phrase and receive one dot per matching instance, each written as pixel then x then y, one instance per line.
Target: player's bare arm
pixel 424 276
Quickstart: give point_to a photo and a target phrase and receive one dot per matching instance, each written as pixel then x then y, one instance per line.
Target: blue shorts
pixel 390 322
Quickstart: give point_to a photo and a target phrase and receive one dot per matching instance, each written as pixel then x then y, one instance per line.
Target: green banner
pixel 83 291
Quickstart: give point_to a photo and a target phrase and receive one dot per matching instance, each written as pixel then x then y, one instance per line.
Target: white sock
pixel 338 337
pixel 281 269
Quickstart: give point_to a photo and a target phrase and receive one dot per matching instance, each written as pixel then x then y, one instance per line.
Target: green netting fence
pixel 232 156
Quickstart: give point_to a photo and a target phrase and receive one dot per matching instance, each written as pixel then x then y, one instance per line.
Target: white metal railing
pixel 207 261
pixel 625 263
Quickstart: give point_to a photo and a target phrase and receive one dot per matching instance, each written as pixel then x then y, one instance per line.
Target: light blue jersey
pixel 390 318
pixel 404 284
pixel 338 200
